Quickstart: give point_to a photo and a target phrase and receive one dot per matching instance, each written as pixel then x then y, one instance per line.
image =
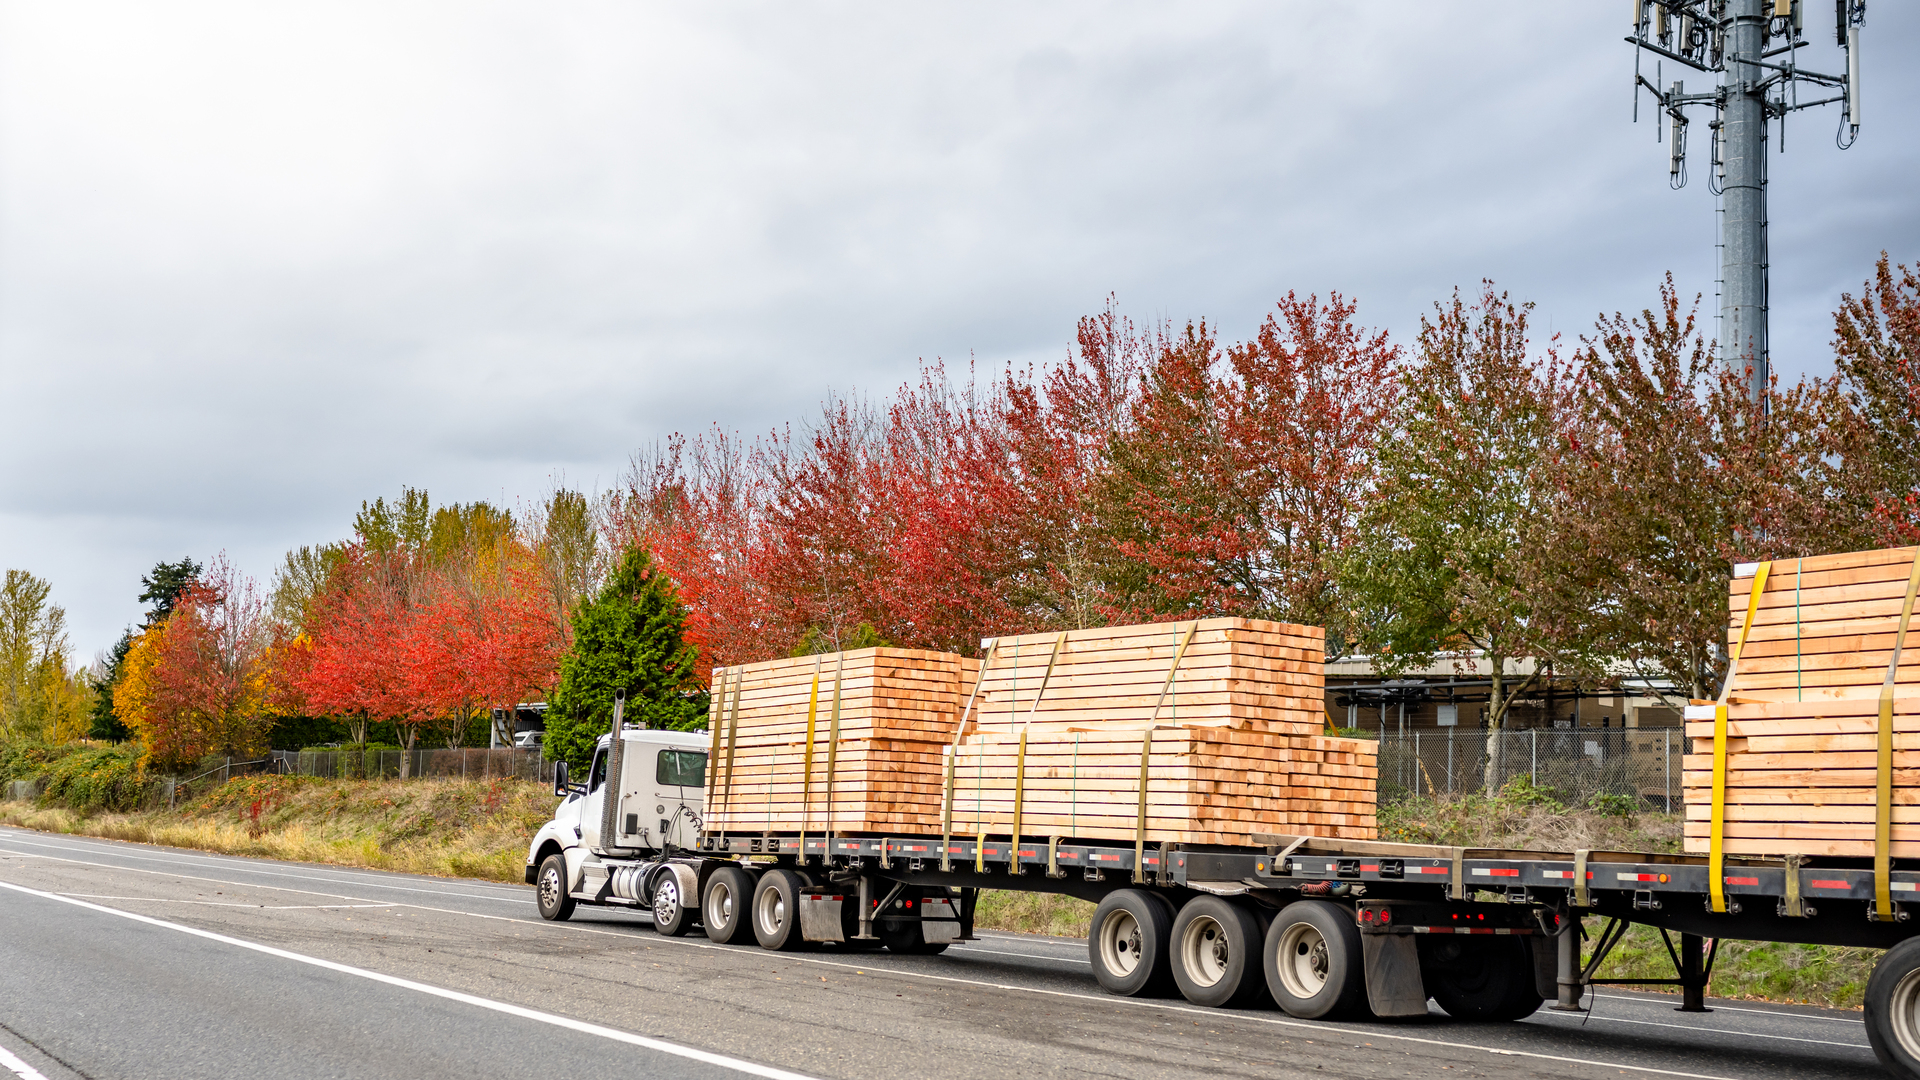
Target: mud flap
pixel 939 932
pixel 1546 966
pixel 1394 986
pixel 820 916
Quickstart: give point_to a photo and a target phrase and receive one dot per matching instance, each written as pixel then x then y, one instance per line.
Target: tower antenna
pixel 1751 49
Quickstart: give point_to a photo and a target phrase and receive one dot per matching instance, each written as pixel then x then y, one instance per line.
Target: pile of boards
pixel 1206 731
pixel 1824 656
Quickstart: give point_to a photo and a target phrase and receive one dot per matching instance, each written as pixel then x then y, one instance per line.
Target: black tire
pixel 550 889
pixel 910 938
pixel 1216 953
pixel 1312 962
pixel 1893 1009
pixel 776 911
pixel 724 909
pixel 673 913
pixel 1480 978
pixel 1128 943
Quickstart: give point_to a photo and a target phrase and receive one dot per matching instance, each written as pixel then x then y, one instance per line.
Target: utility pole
pixel 1756 82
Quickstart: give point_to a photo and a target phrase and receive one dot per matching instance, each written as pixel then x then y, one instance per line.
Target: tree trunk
pixel 357 727
pixel 1496 718
pixel 408 734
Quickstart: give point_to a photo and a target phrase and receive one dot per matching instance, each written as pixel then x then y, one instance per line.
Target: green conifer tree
pixel 631 636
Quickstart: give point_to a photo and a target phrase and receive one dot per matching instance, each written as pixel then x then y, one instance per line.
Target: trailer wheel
pixel 1480 978
pixel 1216 953
pixel 1893 1009
pixel 550 889
pixel 723 910
pixel 673 914
pixel 776 911
pixel 1312 961
pixel 1129 942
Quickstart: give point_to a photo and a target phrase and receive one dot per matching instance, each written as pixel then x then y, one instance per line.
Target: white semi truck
pixel 1328 928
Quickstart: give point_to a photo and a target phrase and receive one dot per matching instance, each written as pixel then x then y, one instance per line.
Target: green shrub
pixel 1522 791
pixel 88 779
pixel 1612 804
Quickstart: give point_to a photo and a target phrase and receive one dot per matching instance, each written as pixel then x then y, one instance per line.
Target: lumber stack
pixel 1803 712
pixel 1227 712
pixel 897 713
pixel 1229 715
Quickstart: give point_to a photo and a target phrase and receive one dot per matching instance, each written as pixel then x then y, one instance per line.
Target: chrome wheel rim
pixel 1120 943
pixel 1204 952
pixel 666 902
pixel 719 904
pixel 1903 1012
pixel 1302 960
pixel 771 912
pixel 550 888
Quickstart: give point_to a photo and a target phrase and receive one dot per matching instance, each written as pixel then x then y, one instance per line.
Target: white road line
pixel 20 1068
pixel 1735 1034
pixel 218 903
pixel 238 867
pixel 1103 999
pixel 1774 1013
pixel 660 1045
pixel 968 950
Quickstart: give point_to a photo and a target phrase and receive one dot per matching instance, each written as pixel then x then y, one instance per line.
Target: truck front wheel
pixel 1893 1009
pixel 550 889
pixel 673 913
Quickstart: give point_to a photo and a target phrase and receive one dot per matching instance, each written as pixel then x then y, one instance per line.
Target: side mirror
pixel 560 788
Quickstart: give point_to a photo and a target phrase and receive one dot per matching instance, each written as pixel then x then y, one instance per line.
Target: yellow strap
pixel 1140 829
pixel 1019 799
pixel 1179 652
pixel 833 746
pixel 733 733
pixel 806 778
pixel 1716 854
pixel 1883 780
pixel 716 755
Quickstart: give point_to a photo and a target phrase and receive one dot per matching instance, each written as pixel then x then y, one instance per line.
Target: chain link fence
pixel 1575 764
pixel 476 764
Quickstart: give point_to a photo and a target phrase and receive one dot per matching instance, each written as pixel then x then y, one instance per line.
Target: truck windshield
pixel 683 768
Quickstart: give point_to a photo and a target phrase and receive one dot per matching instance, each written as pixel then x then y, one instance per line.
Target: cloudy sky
pixel 261 262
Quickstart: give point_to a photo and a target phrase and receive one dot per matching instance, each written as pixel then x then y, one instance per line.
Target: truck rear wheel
pixel 1128 943
pixel 1893 1009
pixel 723 911
pixel 776 911
pixel 550 889
pixel 1480 978
pixel 1216 953
pixel 1312 961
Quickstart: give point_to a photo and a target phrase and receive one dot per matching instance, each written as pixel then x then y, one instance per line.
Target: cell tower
pixel 1750 47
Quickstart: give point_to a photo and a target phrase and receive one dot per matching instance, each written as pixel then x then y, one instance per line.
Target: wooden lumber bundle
pixel 1805 712
pixel 1230 712
pixel 880 721
pixel 1216 672
pixel 1202 785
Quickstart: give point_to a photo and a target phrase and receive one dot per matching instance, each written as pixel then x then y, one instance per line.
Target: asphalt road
pixel 120 960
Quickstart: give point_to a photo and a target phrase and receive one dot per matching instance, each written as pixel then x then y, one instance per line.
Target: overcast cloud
pixel 261 262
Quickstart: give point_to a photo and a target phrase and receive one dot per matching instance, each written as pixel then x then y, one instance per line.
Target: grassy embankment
pixel 480 829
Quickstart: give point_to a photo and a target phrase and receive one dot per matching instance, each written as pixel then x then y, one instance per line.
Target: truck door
pixel 595 798
pixel 680 778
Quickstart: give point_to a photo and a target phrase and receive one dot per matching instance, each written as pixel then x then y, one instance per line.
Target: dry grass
pixel 1033 913
pixel 455 828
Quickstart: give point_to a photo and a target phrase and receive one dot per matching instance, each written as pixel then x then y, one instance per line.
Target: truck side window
pixel 682 768
pixel 599 774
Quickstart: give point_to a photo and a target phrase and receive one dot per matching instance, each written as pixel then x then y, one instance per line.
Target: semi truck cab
pixel 618 838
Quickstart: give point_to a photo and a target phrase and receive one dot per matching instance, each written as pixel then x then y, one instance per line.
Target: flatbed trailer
pixel 1465 926
pixel 1328 928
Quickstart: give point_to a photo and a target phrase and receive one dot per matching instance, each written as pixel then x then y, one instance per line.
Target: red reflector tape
pixel 1743 881
pixel 1369 868
pixel 1820 884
